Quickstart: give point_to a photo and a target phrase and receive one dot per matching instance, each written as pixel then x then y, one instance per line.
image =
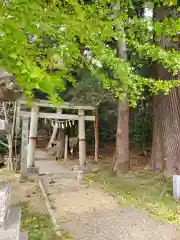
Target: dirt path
pixel 91 214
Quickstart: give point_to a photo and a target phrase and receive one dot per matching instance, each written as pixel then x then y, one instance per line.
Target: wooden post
pixel 82 140
pixel 24 145
pixel 66 148
pixel 96 134
pixel 32 137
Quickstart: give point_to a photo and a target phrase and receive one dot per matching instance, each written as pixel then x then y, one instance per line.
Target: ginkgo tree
pixel 44 42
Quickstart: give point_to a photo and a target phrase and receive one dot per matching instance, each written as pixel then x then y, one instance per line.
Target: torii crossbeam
pixel 36 113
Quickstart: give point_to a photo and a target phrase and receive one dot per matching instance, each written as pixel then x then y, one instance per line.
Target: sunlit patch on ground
pixel 144 189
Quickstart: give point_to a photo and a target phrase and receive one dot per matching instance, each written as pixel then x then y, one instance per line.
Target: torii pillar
pixel 32 137
pixel 24 146
pixel 82 140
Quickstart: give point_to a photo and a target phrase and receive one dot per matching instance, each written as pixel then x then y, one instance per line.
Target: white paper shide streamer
pixel 60 124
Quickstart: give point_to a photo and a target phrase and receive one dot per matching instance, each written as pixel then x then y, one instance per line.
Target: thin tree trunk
pixel 9 138
pixel 53 136
pixel 66 148
pixel 60 144
pixel 96 134
pixel 13 131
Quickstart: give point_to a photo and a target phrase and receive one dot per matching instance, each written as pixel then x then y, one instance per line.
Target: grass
pixel 39 226
pixel 143 189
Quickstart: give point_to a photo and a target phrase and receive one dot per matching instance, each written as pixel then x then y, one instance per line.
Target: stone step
pixel 13 218
pixel 33 170
pixel 45 158
pixel 45 183
pixel 4 203
pixel 7 236
pixel 23 236
pixel 12 226
pixel 10 217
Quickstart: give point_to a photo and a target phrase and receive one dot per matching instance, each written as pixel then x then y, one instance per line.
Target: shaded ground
pixel 89 213
pixel 24 192
pixel 34 219
pixel 28 193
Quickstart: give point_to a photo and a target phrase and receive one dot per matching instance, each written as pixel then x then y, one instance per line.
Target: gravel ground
pixel 91 214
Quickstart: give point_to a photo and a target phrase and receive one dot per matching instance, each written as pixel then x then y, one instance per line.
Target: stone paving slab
pixel 12 226
pixel 23 236
pixel 4 203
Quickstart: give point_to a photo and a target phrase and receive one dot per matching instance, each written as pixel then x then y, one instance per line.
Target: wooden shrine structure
pixel 29 135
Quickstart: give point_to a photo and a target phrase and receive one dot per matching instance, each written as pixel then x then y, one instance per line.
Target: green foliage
pixel 3 149
pixel 42 43
pixel 107 124
pixel 88 90
pixel 141 126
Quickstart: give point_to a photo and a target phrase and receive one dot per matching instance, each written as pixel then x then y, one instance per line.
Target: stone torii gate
pixel 35 114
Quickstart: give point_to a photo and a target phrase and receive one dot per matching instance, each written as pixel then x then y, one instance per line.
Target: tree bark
pixel 121 162
pixel 53 136
pixel 166 124
pixel 158 151
pixel 10 136
pixel 60 144
pixel 58 150
pixel 166 133
pixel 66 148
pixel 96 134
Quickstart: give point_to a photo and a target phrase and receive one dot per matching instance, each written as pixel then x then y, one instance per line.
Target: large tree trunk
pixel 121 159
pixel 121 162
pixel 166 122
pixel 166 133
pixel 158 151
